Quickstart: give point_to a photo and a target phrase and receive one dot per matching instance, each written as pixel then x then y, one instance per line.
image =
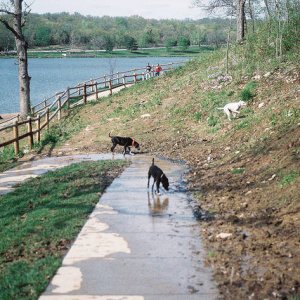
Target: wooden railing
pixel 45 111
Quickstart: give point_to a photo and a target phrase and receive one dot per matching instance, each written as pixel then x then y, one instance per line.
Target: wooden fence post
pixel 110 87
pixel 68 98
pixel 93 85
pixel 118 77
pixel 97 91
pixel 143 76
pixel 47 118
pixel 16 137
pixel 124 80
pixel 29 130
pixel 105 81
pixel 95 88
pixel 38 125
pixel 84 94
pixel 134 77
pixel 59 108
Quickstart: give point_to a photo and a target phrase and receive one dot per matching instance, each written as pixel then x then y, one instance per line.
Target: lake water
pixel 51 75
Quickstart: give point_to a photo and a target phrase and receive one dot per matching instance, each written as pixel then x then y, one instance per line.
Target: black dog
pixel 159 177
pixel 127 142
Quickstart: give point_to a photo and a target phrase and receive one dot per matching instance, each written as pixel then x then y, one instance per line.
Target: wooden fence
pixel 45 111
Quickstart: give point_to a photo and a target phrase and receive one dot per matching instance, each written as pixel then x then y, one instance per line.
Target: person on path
pixel 158 70
pixel 148 71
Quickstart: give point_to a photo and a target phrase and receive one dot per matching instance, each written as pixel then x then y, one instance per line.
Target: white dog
pixel 233 108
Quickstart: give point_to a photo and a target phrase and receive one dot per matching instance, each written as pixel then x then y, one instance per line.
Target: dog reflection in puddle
pixel 156 206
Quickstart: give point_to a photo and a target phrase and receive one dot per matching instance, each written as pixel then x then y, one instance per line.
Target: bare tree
pixel 13 16
pixel 238 6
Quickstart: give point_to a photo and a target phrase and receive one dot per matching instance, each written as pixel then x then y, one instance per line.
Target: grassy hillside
pixel 245 173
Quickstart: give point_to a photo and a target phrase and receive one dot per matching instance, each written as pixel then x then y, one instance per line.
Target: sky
pixel 148 9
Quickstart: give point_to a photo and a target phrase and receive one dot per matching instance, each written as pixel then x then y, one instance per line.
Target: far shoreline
pixel 116 53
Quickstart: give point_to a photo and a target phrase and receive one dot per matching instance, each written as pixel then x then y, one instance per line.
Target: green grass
pixel 8 158
pixel 159 52
pixel 237 171
pixel 288 178
pixel 62 131
pixel 249 91
pixel 39 220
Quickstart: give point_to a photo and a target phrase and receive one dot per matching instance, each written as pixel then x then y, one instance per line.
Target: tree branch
pixel 6 12
pixel 6 24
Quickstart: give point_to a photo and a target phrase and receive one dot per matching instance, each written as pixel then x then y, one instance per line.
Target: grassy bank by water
pixel 155 52
pixel 40 219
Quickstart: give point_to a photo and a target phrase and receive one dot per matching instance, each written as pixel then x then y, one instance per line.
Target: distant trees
pixel 131 43
pixel 42 36
pixel 170 42
pixel 75 30
pixel 148 38
pixel 184 42
pixel 13 16
pixel 103 41
pixel 7 41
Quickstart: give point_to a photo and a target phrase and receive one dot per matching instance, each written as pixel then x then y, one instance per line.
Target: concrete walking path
pixel 136 245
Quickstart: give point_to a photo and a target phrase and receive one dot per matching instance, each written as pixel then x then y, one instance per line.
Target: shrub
pixel 212 121
pixel 248 92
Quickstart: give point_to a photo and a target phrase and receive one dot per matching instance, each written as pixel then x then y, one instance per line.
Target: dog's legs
pixel 235 113
pixel 153 185
pixel 227 112
pixel 113 147
pixel 130 151
pixel 149 175
pixel 157 186
pixel 124 151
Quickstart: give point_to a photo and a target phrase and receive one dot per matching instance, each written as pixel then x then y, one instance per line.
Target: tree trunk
pixel 21 45
pixel 24 79
pixel 240 20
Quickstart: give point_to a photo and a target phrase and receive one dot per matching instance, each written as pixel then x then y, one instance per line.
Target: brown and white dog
pixel 126 142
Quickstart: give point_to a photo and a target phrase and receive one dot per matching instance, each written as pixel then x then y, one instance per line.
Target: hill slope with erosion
pixel 245 173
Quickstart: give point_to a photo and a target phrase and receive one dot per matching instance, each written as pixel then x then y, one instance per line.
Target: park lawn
pixel 40 219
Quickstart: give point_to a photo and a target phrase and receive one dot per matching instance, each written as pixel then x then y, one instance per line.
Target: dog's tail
pixel 109 135
pixel 220 108
pixel 153 161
